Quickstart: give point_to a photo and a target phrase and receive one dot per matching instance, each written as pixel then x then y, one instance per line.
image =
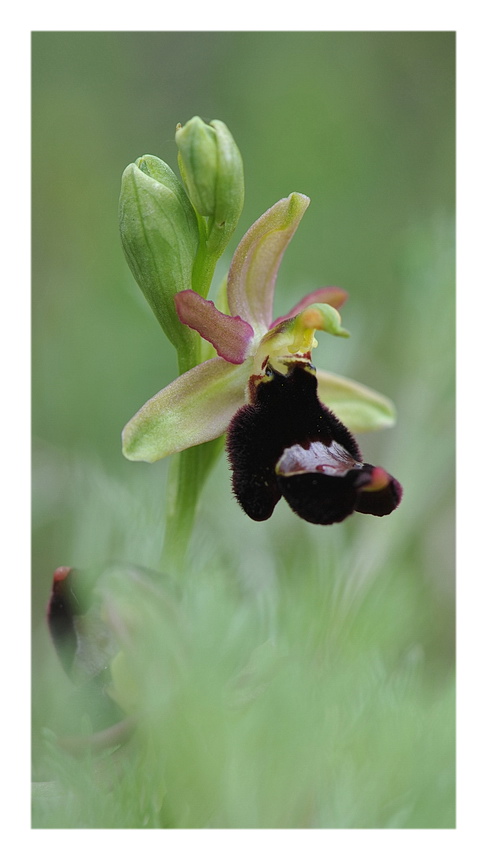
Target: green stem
pixel 187 474
pixel 189 469
pixel 204 264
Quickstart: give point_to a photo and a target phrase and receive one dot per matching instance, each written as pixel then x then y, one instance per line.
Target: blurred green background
pixel 363 123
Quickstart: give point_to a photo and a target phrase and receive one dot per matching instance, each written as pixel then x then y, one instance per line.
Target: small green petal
pixel 360 408
pixel 195 408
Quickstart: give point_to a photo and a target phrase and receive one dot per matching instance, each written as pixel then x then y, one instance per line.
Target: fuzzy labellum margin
pixel 285 443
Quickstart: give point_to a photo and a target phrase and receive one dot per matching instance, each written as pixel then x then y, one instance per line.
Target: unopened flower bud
pixel 212 170
pixel 160 237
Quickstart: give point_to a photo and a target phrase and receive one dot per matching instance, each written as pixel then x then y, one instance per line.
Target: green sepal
pixel 255 264
pixel 360 408
pixel 195 408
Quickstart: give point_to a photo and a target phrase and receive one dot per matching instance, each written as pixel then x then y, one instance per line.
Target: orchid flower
pixel 260 385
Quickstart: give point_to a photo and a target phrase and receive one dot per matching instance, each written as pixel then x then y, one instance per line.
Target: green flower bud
pixel 212 170
pixel 160 237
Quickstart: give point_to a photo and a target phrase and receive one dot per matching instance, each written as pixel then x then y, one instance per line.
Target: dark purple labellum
pixel 286 443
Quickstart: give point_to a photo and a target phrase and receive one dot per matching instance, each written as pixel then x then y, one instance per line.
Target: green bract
pixel 160 238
